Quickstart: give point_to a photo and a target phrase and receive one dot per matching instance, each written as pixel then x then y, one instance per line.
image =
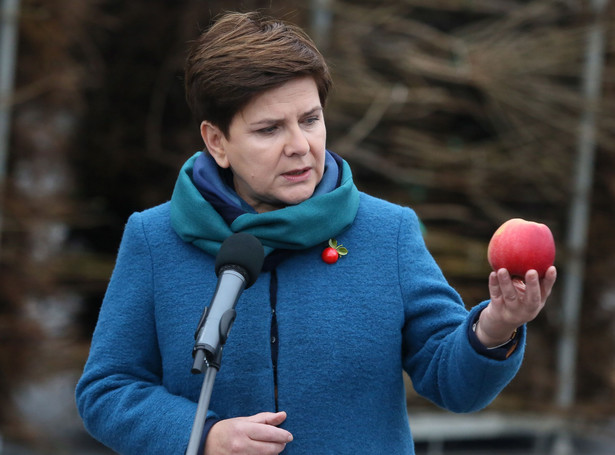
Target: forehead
pixel 297 95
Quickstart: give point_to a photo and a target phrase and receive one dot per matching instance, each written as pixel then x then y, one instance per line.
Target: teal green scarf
pixel 295 227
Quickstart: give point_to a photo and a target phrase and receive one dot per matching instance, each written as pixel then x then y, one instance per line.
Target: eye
pixel 268 130
pixel 309 121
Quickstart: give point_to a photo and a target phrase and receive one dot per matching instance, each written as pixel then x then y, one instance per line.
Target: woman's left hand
pixel 513 303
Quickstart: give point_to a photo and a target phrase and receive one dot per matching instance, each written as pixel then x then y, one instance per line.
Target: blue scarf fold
pixel 205 209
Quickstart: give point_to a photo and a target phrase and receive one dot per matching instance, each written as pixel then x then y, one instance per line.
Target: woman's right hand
pixel 254 435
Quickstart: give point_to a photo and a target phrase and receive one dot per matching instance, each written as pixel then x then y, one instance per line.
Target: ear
pixel 215 141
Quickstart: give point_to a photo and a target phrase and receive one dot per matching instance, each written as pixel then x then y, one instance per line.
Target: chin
pixel 297 196
pixel 297 200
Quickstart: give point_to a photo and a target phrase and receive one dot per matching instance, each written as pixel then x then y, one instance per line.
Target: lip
pixel 298 175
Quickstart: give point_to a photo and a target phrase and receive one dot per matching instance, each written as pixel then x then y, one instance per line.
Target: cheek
pixel 319 143
pixel 320 158
pixel 259 174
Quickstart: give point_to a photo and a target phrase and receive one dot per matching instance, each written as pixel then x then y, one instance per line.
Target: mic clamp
pixel 214 327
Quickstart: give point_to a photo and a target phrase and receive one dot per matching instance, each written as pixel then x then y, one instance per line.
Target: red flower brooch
pixel 332 253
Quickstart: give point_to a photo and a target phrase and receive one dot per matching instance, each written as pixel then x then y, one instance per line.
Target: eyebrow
pixel 270 121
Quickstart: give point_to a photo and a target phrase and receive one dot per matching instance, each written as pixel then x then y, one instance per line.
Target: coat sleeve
pixel 437 354
pixel 120 395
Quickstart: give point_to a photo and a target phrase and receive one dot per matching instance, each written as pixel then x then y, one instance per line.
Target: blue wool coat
pixel 345 332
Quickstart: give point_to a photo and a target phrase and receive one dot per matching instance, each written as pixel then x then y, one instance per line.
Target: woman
pixel 314 361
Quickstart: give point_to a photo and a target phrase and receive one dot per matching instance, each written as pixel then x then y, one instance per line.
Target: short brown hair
pixel 242 55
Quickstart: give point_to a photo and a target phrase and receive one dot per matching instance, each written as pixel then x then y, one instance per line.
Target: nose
pixel 296 142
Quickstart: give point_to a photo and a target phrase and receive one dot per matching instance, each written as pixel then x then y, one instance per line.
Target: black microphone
pixel 238 264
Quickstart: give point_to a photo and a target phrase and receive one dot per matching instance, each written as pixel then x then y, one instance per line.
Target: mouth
pixel 297 174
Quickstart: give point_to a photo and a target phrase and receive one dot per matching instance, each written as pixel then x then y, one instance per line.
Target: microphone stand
pixel 212 369
pixel 234 275
pixel 208 351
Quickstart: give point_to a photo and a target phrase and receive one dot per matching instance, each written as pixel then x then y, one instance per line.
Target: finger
pixel 269 418
pixel 519 285
pixel 532 281
pixel 269 434
pixel 494 286
pixel 533 297
pixel 241 436
pixel 531 276
pixel 548 282
pixel 509 292
pixel 495 290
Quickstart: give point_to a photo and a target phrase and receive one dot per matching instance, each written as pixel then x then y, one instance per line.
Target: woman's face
pixel 275 146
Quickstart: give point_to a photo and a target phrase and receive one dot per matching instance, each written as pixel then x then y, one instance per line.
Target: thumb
pixel 268 418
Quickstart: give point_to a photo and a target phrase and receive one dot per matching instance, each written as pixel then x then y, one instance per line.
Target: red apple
pixel 519 245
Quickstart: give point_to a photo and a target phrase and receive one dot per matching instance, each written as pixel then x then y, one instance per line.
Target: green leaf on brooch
pixel 341 250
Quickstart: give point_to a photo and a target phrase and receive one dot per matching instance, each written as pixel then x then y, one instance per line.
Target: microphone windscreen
pixel 242 250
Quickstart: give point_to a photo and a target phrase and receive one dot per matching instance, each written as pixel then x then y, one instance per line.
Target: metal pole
pixel 201 411
pixel 8 50
pixel 578 222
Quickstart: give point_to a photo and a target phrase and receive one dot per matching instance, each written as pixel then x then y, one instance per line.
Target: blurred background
pixel 469 111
